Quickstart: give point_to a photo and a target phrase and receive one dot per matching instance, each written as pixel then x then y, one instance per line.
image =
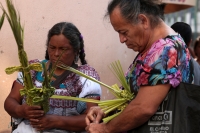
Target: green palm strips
pixel 116 105
pixel 2 20
pixel 34 96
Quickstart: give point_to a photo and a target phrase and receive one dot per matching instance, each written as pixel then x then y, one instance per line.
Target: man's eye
pixel 124 33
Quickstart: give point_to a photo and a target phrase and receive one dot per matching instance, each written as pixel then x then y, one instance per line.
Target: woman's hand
pixel 15 108
pixel 30 112
pixel 44 123
pixel 94 115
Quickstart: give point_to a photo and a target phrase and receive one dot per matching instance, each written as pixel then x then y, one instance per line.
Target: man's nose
pixel 122 38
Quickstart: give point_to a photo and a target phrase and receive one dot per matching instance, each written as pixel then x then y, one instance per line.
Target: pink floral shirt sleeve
pixel 161 65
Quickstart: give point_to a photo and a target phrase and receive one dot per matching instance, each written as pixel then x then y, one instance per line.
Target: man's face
pixel 133 35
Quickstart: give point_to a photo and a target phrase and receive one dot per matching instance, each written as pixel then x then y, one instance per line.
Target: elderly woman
pixel 64 116
pixel 157 67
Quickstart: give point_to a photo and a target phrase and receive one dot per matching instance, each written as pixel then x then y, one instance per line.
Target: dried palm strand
pixel 117 70
pixel 124 96
pixel 34 96
pixel 2 20
pixel 116 91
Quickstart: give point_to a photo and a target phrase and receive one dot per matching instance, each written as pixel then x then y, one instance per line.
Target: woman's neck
pixel 58 71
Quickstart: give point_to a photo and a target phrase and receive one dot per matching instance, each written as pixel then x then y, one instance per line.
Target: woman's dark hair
pixel 71 32
pixel 130 9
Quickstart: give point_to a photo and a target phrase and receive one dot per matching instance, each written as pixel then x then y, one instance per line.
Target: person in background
pixel 64 116
pixel 197 49
pixel 185 31
pixel 141 28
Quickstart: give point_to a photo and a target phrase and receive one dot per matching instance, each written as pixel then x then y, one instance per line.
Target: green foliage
pixel 14 21
pixel 33 95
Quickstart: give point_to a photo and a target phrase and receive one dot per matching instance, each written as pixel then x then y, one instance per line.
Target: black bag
pixel 178 113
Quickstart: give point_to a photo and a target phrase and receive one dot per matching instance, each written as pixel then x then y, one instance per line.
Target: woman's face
pixel 58 44
pixel 133 35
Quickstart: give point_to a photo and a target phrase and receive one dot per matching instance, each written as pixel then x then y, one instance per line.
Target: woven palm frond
pixel 34 96
pixel 123 96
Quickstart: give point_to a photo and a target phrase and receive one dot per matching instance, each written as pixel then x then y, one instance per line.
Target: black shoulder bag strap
pixel 131 79
pixel 63 76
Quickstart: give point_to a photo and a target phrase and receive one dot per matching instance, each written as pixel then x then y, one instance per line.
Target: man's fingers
pixel 94 115
pixel 90 118
pixel 99 116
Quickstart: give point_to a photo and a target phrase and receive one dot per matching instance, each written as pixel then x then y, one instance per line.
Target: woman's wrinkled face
pixel 133 35
pixel 58 44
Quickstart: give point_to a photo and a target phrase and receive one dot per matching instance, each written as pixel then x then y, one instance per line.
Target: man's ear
pixel 144 20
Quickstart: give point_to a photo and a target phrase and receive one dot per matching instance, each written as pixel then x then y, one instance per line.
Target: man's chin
pixel 134 48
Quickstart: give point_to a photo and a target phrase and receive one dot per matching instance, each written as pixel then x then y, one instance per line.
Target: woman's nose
pixel 57 52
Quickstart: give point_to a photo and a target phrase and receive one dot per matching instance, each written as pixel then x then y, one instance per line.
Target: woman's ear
pixel 144 20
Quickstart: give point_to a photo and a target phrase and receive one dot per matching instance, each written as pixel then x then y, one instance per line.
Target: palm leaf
pixel 34 96
pixel 107 105
pixel 123 96
pixel 74 98
pixel 117 70
pixel 88 77
pixel 2 20
pixel 18 32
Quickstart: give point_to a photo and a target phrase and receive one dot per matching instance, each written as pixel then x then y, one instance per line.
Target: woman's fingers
pixel 31 112
pixel 38 127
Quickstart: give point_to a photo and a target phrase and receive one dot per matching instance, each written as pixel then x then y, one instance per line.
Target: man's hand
pixel 94 115
pixel 97 128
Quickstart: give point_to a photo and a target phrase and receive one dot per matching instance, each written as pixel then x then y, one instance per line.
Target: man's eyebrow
pixel 119 31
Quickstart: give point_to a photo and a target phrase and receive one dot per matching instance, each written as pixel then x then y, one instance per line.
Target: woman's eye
pixel 51 47
pixel 64 49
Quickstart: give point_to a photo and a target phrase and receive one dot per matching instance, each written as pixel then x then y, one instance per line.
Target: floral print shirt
pixel 161 64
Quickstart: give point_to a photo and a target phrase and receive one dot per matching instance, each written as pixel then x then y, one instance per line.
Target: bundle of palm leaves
pixel 123 96
pixel 34 96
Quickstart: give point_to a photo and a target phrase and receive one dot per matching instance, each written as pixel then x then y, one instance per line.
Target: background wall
pixel 102 44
